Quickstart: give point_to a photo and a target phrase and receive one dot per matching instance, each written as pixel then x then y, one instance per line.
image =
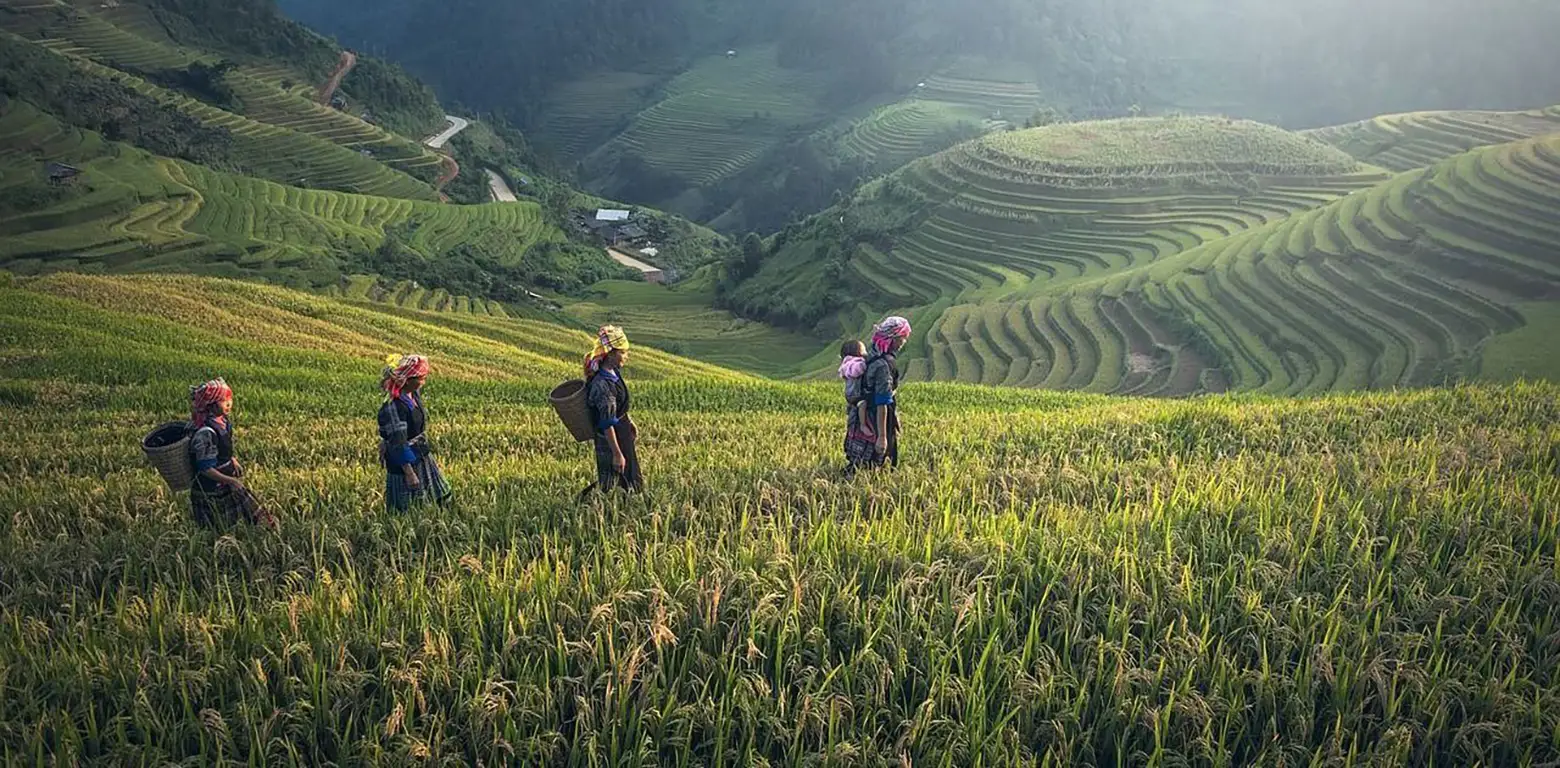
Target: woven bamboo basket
pixel 568 399
pixel 168 449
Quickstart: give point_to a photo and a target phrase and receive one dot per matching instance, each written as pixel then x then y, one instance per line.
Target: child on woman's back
pixel 859 438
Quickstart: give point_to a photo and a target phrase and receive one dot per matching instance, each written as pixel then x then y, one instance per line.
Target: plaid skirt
pixel 400 496
pixel 227 506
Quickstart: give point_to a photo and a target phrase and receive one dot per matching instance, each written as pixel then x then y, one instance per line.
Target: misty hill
pixel 820 96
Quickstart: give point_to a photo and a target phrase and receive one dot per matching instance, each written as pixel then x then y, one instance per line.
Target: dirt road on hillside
pixel 348 61
pixel 501 191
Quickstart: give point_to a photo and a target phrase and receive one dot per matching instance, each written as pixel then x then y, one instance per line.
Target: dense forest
pixel 1313 63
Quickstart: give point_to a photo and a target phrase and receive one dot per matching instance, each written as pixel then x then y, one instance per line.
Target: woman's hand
pixel 410 473
pixel 882 445
pixel 619 463
pixel 234 483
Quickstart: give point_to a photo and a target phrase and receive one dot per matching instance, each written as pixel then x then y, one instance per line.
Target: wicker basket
pixel 168 449
pixel 568 399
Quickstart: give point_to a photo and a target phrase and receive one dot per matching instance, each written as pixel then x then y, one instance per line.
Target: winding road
pixel 457 124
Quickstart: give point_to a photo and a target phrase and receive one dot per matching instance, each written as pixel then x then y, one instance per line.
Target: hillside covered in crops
pixel 1049 579
pixel 1170 256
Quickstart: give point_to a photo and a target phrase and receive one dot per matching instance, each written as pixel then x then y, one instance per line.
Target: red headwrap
pixel 203 396
pixel 400 369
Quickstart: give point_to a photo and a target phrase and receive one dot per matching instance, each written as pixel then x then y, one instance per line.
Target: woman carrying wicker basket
pixel 617 463
pixel 411 473
pixel 219 493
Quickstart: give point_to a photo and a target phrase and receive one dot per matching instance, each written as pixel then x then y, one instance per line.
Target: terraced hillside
pixel 130 211
pixel 719 116
pixel 1418 139
pixel 1028 211
pixel 1406 283
pixel 278 131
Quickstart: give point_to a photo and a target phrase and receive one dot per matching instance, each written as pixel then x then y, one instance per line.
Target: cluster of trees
pixel 206 82
pixel 34 74
pixel 487 266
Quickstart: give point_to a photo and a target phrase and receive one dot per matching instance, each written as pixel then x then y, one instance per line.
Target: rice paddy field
pixel 1049 579
pixel 1410 282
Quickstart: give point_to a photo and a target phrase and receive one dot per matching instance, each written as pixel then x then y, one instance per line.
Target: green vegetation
pixel 1050 578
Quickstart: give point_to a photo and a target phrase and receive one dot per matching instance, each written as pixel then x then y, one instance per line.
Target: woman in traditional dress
pixel 219 495
pixel 411 473
pixel 879 386
pixel 617 463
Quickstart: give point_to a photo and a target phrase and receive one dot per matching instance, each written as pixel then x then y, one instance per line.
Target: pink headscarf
pixel 203 396
pixel 884 334
pixel 853 367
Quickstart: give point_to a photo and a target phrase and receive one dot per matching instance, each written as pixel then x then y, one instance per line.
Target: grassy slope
pixel 1051 577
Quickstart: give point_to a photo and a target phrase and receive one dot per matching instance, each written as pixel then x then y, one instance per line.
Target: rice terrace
pixel 995 401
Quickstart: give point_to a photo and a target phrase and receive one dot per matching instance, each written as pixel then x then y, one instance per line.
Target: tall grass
pixel 1049 580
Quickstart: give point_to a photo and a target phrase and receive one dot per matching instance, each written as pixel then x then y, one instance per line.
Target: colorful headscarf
pixel 893 327
pixel 400 369
pixel 610 337
pixel 203 396
pixel 853 367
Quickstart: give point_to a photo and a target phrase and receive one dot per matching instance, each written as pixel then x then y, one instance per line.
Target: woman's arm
pixel 618 461
pixel 221 479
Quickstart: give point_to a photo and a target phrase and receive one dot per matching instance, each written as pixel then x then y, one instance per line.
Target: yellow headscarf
pixel 610 337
